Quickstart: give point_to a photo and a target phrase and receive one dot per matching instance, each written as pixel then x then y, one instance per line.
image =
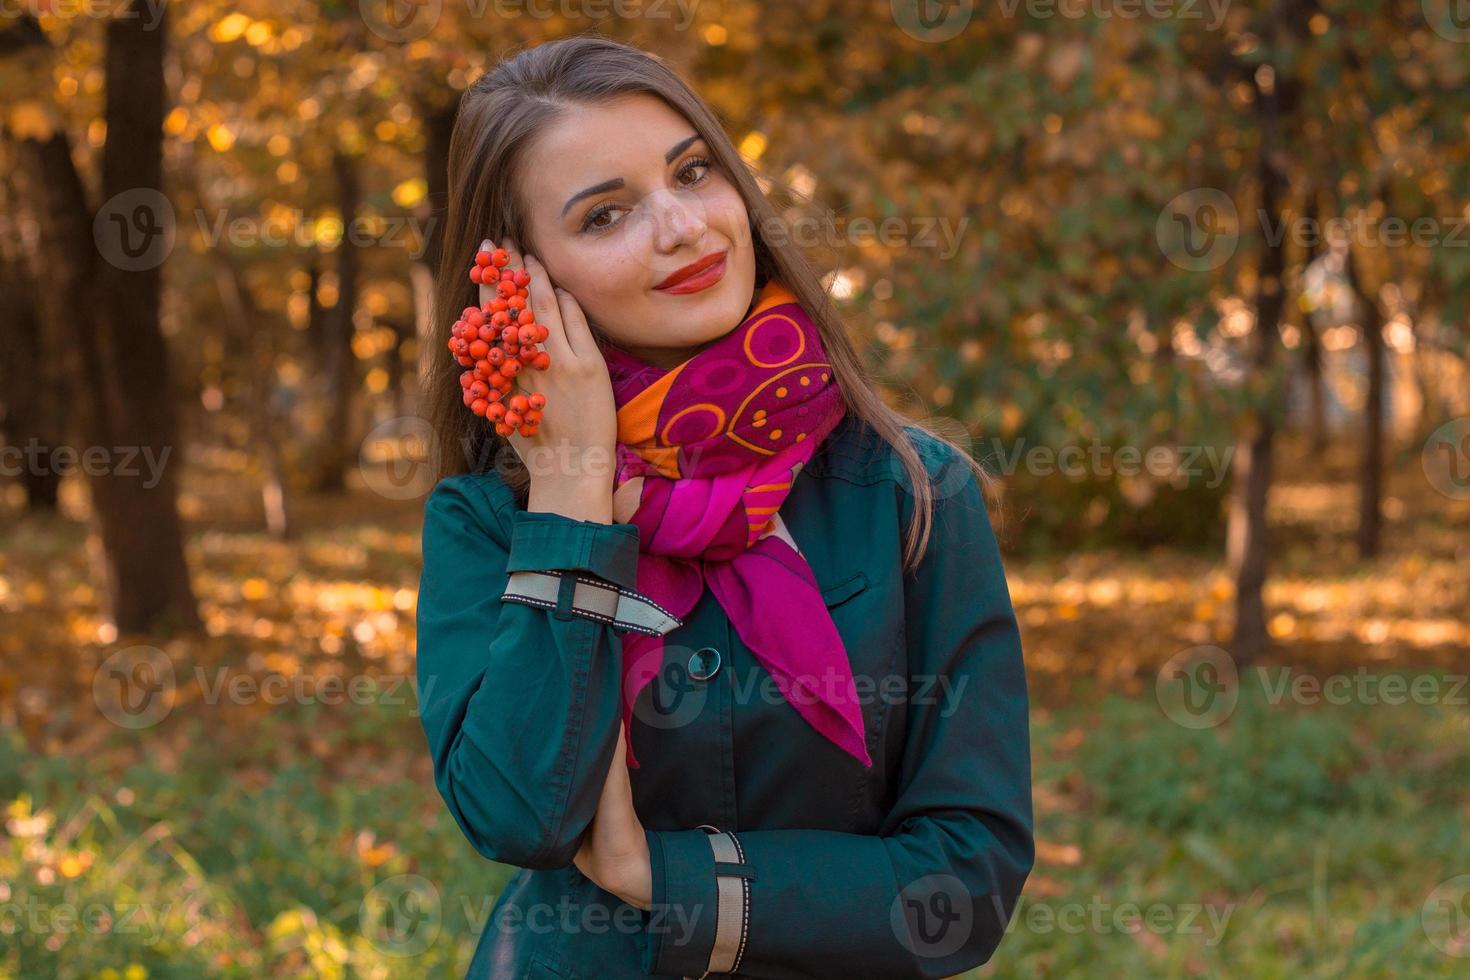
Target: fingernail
pixel 485 245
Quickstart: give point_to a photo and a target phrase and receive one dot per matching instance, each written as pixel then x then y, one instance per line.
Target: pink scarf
pixel 706 453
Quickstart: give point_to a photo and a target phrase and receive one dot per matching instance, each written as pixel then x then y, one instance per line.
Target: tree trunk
pixel 1312 355
pixel 1370 495
pixel 32 411
pixel 338 448
pixel 1248 542
pixel 439 123
pixel 146 546
pixel 118 361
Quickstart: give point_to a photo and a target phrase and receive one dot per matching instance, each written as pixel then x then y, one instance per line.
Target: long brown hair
pixel 497 119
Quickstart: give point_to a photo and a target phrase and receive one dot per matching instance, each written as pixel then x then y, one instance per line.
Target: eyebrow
pixel 616 182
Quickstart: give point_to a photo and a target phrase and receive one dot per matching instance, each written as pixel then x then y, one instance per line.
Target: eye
pixel 590 222
pixel 692 164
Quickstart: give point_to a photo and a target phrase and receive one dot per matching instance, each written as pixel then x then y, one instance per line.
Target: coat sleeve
pixel 519 705
pixel 931 894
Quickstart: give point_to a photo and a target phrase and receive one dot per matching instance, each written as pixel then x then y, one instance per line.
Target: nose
pixel 678 220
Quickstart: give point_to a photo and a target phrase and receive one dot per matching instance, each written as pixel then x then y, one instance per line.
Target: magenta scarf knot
pixel 706 453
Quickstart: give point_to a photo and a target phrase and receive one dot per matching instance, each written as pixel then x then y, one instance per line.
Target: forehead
pixel 587 145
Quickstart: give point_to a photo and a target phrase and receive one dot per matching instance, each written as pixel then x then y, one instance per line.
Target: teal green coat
pixel 910 869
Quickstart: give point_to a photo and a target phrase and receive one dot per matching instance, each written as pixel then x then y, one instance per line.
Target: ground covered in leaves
pixel 277 816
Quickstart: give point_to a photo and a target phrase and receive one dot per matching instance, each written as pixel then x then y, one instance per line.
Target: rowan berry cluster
pixel 496 342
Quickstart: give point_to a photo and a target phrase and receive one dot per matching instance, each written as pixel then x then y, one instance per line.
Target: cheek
pixel 601 268
pixel 609 283
pixel 727 213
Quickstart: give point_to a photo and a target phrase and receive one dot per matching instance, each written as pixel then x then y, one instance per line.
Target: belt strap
pixel 593 598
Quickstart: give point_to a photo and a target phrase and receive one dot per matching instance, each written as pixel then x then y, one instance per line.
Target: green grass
pixel 1314 834
pixel 1288 841
pixel 245 856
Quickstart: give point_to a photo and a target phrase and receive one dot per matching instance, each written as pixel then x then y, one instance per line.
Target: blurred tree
pixel 117 360
pixel 33 413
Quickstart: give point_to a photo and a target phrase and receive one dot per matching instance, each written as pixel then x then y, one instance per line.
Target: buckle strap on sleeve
pixel 590 597
pixel 732 917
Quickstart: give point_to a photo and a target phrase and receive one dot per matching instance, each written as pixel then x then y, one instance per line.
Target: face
pixel 620 197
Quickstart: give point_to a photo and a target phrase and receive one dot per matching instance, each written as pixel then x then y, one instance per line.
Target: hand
pixel 614 852
pixel 580 413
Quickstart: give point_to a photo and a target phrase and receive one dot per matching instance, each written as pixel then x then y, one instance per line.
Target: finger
pixel 487 293
pixel 514 251
pixel 574 325
pixel 545 305
pixel 539 286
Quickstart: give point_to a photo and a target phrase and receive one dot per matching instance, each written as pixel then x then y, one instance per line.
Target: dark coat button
pixel 704 663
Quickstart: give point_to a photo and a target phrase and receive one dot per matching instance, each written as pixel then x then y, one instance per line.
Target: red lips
pixel 691 270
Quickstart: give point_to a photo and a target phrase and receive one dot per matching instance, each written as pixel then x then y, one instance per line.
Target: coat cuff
pixel 681 925
pixel 544 541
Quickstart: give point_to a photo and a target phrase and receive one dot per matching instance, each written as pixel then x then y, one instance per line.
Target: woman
pixel 722 656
